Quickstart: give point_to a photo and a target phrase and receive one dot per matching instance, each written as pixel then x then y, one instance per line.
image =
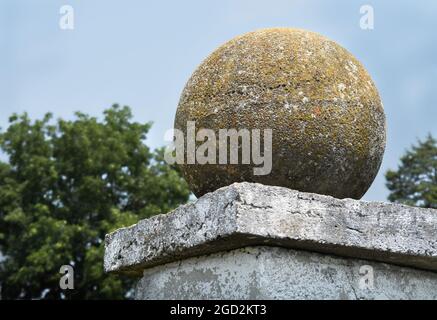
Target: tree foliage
pixel 415 181
pixel 65 185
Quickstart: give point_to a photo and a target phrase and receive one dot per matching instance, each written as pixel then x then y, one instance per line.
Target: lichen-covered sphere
pixel 327 120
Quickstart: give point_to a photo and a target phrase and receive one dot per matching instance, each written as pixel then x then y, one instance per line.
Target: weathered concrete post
pixel 327 130
pixel 250 241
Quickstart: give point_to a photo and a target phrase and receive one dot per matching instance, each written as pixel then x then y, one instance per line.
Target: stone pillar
pixel 250 241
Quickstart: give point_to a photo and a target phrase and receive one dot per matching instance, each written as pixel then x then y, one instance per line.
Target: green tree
pixel 415 181
pixel 65 185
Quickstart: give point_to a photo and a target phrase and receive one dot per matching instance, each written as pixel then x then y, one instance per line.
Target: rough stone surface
pixel 325 113
pixel 279 273
pixel 246 214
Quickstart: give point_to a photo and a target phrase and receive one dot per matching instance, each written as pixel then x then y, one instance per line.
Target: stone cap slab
pixel 247 214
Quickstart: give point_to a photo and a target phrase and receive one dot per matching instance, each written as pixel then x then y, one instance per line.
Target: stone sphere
pixel 326 116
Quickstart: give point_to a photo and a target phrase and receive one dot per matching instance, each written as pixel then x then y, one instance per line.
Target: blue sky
pixel 141 53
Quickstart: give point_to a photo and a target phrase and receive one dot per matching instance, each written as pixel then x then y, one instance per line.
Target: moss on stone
pixel 325 111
